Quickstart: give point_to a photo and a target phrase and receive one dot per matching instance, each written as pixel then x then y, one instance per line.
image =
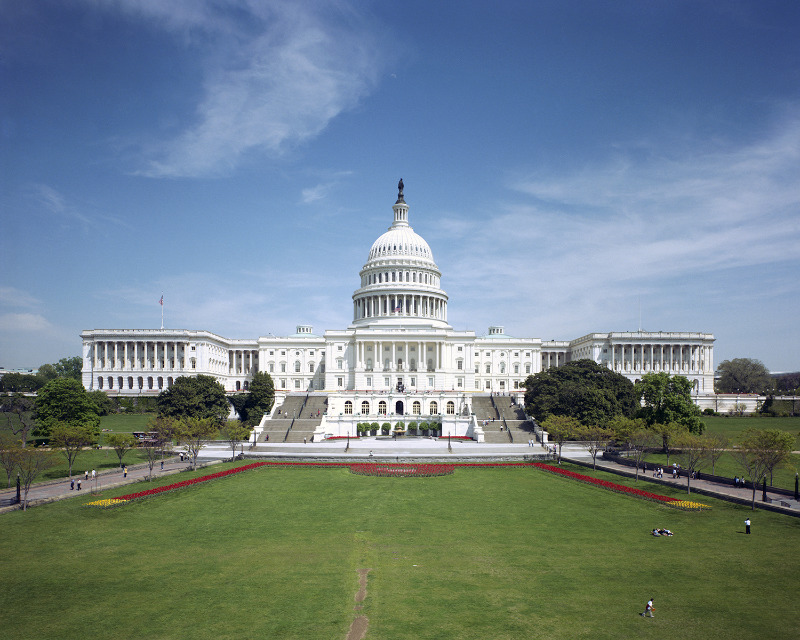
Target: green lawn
pixel 734 427
pixel 126 423
pixel 486 553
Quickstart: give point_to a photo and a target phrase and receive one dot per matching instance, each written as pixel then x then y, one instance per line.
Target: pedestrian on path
pixel 162 465
pixel 649 608
pixel 71 484
pixel 79 484
pixel 125 471
pixel 85 475
pixel 747 526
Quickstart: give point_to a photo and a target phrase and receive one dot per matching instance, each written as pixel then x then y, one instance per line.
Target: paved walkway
pixel 716 489
pixel 43 492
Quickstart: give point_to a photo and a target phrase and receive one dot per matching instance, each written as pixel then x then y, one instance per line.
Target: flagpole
pixel 162 310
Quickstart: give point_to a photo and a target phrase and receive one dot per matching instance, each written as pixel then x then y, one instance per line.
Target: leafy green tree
pixel 198 397
pixel 743 375
pixel 234 433
pixel 623 428
pixel 18 410
pixel 121 443
pixel 65 400
pixel 69 368
pixel 559 429
pixel 104 404
pixel 252 406
pixel 582 389
pixel 20 382
pixel 71 439
pixel 46 373
pixel 193 432
pixel 668 399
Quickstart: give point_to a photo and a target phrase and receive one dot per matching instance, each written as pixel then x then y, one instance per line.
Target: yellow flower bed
pixel 688 505
pixel 104 504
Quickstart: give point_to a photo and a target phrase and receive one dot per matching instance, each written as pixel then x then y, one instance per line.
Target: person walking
pixel 747 526
pixel 649 608
pixel 125 471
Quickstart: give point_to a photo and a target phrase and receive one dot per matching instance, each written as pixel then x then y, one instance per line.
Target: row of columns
pixel 683 358
pixel 242 361
pixel 396 304
pixel 398 351
pixel 139 356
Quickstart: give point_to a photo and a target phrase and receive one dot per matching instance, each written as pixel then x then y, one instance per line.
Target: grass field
pixel 485 553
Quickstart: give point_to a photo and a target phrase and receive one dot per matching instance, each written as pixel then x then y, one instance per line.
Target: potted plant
pixel 374 428
pixel 385 428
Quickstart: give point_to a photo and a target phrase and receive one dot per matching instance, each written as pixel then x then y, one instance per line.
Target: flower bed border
pixel 675 503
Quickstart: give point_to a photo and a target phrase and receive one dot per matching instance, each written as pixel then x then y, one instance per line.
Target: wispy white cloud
pixel 24 322
pixel 574 249
pixel 275 74
pixel 16 298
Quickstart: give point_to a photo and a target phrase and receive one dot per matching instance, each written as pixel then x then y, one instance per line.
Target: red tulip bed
pixel 676 503
pixel 402 470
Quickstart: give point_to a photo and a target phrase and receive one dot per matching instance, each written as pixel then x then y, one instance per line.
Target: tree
pixel 198 397
pixel 20 382
pixel 623 428
pixel 46 373
pixel 234 433
pixel 69 368
pixel 252 406
pixel 192 432
pixel 30 463
pixel 71 439
pixel 692 454
pixel 121 443
pixel 640 442
pixel 18 410
pixel 595 439
pixel 743 375
pixel 103 403
pixel 668 432
pixel 65 400
pixel 559 429
pixel 583 389
pixel 760 451
pixel 9 453
pixel 716 445
pixel 668 399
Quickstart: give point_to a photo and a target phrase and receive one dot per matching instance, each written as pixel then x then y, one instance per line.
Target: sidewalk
pixel 780 502
pixel 59 489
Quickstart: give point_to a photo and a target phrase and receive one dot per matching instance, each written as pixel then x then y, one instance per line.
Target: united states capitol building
pixel 399 357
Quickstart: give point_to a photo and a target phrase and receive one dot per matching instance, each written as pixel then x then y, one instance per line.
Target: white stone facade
pixel 399 356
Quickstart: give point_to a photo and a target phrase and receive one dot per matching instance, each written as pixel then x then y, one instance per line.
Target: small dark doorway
pixel 398 408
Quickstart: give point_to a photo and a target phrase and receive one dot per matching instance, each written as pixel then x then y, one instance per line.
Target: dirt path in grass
pixel 359 627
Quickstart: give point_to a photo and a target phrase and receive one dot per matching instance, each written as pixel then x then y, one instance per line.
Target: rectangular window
pixel 413 382
pixel 369 381
pixel 339 364
pixel 272 367
pixel 430 382
pixel 386 382
pixel 296 384
pixel 283 367
pixel 283 383
pixel 460 364
pixel 460 383
pixel 478 384
pixel 461 348
pixel 339 382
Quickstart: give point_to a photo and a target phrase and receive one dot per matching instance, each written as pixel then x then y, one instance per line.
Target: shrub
pixel 385 428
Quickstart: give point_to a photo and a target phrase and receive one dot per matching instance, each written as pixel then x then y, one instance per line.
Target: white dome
pixel 400 241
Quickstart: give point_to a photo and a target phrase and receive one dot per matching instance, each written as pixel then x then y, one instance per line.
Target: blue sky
pixel 569 163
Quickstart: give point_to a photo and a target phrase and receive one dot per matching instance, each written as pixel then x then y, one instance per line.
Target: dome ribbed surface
pixel 400 241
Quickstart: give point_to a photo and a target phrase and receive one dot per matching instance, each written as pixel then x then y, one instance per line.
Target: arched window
pixel 382 408
pixel 150 382
pixel 365 408
pixel 434 408
pixel 415 408
pixel 130 382
pixel 119 383
pixel 348 408
pixel 451 408
pixel 100 382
